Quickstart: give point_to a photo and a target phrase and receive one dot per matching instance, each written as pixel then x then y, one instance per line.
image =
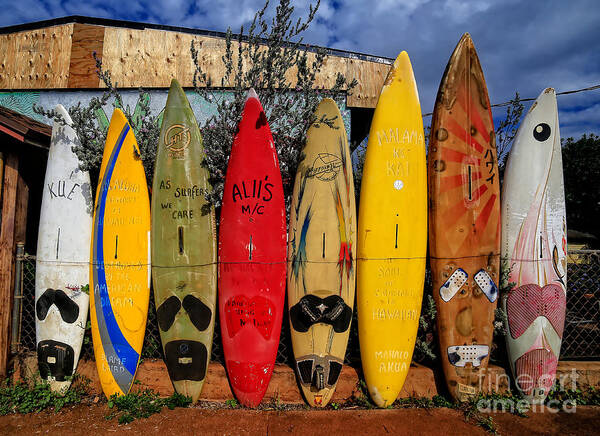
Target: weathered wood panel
pixel 332 65
pixel 87 39
pixel 36 59
pixel 7 234
pixel 370 77
pixel 151 58
pixel 133 60
pixel 8 64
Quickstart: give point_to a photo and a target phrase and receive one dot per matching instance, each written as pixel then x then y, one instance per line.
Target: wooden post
pixel 7 241
pixel 1 177
pixel 21 209
pixel 22 202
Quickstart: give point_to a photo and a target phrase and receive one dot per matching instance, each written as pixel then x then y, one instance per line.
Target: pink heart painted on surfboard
pixel 527 302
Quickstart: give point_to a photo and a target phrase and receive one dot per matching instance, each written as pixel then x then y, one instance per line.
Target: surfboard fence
pixel 581 335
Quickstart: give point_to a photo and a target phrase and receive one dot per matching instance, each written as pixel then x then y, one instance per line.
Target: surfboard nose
pixel 176 97
pixel 536 371
pixel 383 396
pixel 251 94
pixel 248 381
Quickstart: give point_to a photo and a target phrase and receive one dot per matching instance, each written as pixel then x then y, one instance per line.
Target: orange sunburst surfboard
pixel 464 226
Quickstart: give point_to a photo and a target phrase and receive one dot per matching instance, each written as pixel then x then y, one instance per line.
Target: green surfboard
pixel 184 269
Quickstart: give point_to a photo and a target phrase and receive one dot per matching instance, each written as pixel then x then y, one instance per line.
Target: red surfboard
pixel 252 257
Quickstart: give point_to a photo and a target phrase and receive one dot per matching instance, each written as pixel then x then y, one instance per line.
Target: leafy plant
pixel 87 338
pixel 359 155
pixel 424 402
pixel 25 397
pixel 500 322
pixel 232 403
pixel 142 404
pixel 362 399
pixel 507 130
pixel 486 422
pixel 582 397
pixel 425 343
pixel 499 352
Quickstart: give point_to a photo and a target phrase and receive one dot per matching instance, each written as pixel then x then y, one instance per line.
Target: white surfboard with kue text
pixel 63 255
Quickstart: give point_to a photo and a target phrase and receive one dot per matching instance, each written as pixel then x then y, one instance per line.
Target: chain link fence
pixel 152 346
pixel 581 338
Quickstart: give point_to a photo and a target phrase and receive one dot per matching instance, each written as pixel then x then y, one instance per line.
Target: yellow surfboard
pixel 392 235
pixel 120 264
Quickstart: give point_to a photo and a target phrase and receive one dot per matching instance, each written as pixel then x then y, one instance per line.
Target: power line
pixel 507 103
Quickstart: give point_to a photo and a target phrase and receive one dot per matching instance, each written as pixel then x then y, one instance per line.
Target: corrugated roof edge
pixel 80 19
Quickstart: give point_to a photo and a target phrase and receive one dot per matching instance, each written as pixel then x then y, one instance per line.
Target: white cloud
pixel 460 11
pixel 393 6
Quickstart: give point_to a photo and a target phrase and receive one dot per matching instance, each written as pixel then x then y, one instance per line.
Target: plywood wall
pixel 36 59
pixel 151 58
pixel 86 41
pixel 61 57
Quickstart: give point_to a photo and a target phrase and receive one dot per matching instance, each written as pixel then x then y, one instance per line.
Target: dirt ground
pixel 91 420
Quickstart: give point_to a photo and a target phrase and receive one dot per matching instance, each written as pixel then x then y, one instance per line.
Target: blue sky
pixel 524 46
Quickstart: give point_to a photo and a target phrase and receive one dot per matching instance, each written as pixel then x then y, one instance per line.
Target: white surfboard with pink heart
pixel 534 249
